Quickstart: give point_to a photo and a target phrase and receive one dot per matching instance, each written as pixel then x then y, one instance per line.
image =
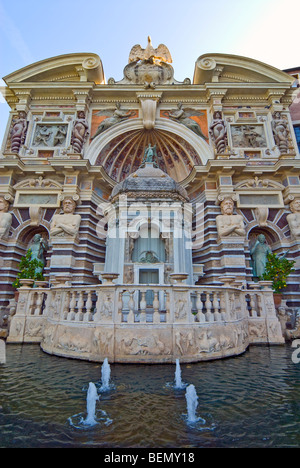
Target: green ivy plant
pixel 277 270
pixel 28 269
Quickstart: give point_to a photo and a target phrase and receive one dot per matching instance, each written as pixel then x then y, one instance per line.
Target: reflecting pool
pixel 248 401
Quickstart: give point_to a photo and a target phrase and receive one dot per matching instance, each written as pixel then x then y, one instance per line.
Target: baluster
pixel 260 311
pixel 208 305
pixel 232 306
pixel 199 306
pixel 120 307
pixel 224 315
pixel 130 317
pixel 38 303
pixel 168 318
pixel 31 303
pixel 143 305
pixel 156 314
pixel 89 304
pixel 71 313
pixel 80 307
pixel 253 310
pixel 66 306
pixel 216 306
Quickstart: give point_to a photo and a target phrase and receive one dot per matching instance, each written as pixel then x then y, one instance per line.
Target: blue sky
pixel 31 30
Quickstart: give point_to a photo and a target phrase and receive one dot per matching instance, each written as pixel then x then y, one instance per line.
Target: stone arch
pixel 180 148
pixel 271 234
pixel 28 232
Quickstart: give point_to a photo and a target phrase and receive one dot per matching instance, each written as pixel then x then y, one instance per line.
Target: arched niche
pixel 120 149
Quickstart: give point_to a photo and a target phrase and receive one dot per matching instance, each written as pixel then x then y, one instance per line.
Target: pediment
pixel 226 68
pixel 65 68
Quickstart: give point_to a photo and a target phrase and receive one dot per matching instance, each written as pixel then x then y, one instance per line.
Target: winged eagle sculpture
pixel 161 54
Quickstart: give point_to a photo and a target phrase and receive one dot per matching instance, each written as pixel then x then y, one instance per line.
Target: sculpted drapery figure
pixel 80 132
pixel 66 224
pixel 293 219
pixel 259 253
pixel 38 247
pixel 229 224
pixel 5 218
pixel 18 132
pixel 280 132
pixel 115 116
pixel 218 132
pixel 182 116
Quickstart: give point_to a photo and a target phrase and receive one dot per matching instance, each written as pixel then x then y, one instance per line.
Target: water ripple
pixel 248 401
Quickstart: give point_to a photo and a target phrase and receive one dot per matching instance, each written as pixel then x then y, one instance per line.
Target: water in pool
pixel 247 401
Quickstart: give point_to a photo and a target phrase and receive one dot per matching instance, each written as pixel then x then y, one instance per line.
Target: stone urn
pixel 60 280
pixel 109 277
pixel 266 284
pixel 41 284
pixel 179 277
pixel 227 280
pixel 26 282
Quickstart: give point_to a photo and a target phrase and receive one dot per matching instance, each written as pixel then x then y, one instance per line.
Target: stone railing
pixel 181 304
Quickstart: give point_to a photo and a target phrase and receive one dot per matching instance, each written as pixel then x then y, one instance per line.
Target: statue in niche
pixel 293 219
pixel 280 132
pixel 80 132
pixel 38 246
pixel 150 154
pixel 182 116
pixel 115 116
pixel 229 224
pixel 18 132
pixel 218 132
pixel 259 253
pixel 5 218
pixel 66 224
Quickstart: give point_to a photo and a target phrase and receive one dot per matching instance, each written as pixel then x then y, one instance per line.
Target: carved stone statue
pixel 5 218
pixel 259 253
pixel 293 219
pixel 149 154
pixel 80 132
pixel 18 132
pixel 183 116
pixel 116 116
pixel 218 132
pixel 280 132
pixel 67 224
pixel 160 54
pixel 38 247
pixel 229 224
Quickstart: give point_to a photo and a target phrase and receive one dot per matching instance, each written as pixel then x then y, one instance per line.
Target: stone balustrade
pixel 70 320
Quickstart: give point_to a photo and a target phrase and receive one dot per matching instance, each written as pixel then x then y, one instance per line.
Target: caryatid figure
pixel 5 218
pixel 229 224
pixel 18 132
pixel 293 219
pixel 66 224
pixel 80 132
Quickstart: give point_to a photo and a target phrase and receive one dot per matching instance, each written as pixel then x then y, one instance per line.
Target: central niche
pixel 124 154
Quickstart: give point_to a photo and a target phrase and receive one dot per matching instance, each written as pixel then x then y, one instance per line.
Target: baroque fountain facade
pixel 144 198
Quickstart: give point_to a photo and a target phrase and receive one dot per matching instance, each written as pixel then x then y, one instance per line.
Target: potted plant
pixel 277 270
pixel 29 269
